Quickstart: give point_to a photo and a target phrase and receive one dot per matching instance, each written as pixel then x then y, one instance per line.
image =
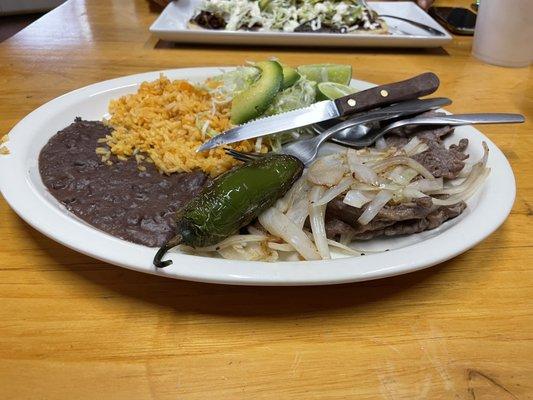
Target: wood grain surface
pixel 72 327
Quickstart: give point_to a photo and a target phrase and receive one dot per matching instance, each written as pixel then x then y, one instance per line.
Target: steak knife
pixel 420 85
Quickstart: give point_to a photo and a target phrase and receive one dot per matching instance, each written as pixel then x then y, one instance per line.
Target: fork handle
pixel 467 119
pixel 420 85
pixel 453 120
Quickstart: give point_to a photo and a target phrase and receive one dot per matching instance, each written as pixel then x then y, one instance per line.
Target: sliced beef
pixel 442 161
pixel 437 159
pixel 408 227
pixel 335 227
pixel 419 208
pixel 308 28
pixel 339 212
pixel 444 213
pixel 418 215
pixel 439 215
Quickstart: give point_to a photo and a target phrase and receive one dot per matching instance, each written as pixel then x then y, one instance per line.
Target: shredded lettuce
pixel 301 94
pixel 237 13
pixel 287 15
pixel 231 83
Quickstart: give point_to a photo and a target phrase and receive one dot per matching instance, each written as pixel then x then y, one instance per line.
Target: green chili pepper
pixel 231 201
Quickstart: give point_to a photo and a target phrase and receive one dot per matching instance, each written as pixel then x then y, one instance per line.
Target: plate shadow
pixel 227 300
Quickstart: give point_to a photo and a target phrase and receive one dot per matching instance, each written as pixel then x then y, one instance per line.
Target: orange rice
pixel 164 123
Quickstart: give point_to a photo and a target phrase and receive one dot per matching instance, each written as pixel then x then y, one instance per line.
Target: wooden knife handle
pixel 420 85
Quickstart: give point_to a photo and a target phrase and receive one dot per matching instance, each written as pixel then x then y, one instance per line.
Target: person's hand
pixel 425 4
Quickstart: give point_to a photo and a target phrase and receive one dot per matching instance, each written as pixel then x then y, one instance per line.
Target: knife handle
pixel 420 85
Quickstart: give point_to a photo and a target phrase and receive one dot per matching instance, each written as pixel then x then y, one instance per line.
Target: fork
pixel 306 150
pixel 420 25
pixel 450 120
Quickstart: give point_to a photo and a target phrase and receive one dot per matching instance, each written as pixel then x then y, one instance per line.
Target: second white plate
pixel 172 25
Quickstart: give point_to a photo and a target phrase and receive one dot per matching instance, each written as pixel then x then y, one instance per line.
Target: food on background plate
pixel 330 16
pixel 137 175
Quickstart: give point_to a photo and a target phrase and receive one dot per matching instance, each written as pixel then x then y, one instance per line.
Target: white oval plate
pixel 21 186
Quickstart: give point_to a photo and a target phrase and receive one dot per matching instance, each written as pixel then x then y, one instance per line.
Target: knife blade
pixel 420 85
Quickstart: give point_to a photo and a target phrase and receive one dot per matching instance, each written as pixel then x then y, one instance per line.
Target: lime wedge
pixel 338 73
pixel 332 91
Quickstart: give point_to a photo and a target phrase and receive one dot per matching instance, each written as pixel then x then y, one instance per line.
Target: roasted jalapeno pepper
pixel 231 201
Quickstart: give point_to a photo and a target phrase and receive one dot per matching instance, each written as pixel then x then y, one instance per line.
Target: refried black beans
pixel 138 206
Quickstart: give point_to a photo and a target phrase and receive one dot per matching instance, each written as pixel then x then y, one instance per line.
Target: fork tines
pixel 241 156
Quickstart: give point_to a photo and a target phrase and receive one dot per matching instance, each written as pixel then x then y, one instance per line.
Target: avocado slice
pixel 290 77
pixel 254 101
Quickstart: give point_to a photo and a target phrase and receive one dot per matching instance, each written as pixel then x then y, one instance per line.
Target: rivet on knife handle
pixel 420 85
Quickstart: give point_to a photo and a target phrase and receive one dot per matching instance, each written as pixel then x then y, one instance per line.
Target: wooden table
pixel 72 327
